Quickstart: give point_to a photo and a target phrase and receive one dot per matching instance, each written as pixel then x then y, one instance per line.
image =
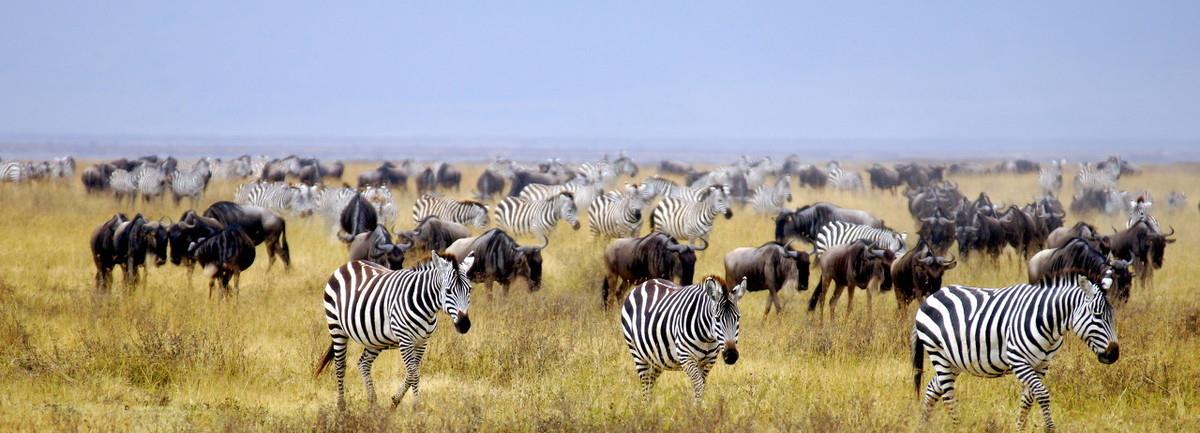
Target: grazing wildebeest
pixel 851 266
pixel 918 273
pixel 767 268
pixel 95 178
pixel 806 222
pixel 498 258
pixel 811 176
pixel 633 260
pixel 377 246
pixel 448 177
pixel 357 217
pixel 190 228
pixel 1060 236
pixel 1076 257
pixel 432 234
pixel 104 250
pixel 984 233
pixel 135 238
pixel 224 256
pixel 1145 245
pixel 262 225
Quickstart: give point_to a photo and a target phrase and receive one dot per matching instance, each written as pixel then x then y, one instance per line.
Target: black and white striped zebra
pixel 465 212
pixel 1092 177
pixel 617 214
pixel 994 332
pixel 667 188
pixel 837 233
pixel 1139 210
pixel 1050 177
pixel 385 204
pixel 770 199
pixel 518 215
pixel 13 171
pixel 584 193
pixel 124 184
pixel 151 182
pixel 843 179
pixel 668 327
pixel 382 309
pixel 688 220
pixel 276 196
pixel 190 184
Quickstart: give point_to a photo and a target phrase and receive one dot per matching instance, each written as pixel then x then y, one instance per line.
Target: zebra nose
pixel 1110 353
pixel 463 324
pixel 575 225
pixel 728 213
pixel 730 354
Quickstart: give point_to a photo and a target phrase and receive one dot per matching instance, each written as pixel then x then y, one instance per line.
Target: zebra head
pixel 567 208
pixel 717 196
pixel 456 288
pixel 1094 321
pixel 725 314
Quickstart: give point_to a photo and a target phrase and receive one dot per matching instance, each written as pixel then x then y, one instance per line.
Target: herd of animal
pixel 389 292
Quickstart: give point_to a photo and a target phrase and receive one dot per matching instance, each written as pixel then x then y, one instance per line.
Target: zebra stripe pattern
pixel 383 309
pixel 123 183
pixel 518 215
pixel 844 179
pixel 463 212
pixel 151 182
pixel 994 332
pixel 276 196
pixel 1140 210
pixel 13 172
pixel 770 199
pixel 838 233
pixel 618 213
pixel 584 192
pixel 689 220
pixel 668 189
pixel 668 327
pixel 191 184
pixel 1091 177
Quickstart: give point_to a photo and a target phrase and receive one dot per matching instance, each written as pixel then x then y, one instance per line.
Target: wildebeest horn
pixel 545 242
pixel 1172 233
pixel 705 245
pixel 1115 229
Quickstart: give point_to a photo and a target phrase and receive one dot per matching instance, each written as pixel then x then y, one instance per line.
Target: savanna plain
pixel 167 357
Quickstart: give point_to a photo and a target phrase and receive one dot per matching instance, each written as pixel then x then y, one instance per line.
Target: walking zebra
pixel 689 220
pixel 463 212
pixel 668 327
pixel 1091 177
pixel 518 215
pixel 13 172
pixel 1050 178
pixel 618 214
pixel 669 189
pixel 1140 210
pixel 382 309
pixel 584 192
pixel 123 184
pixel 151 182
pixel 276 196
pixel 190 184
pixel 994 332
pixel 770 199
pixel 843 179
pixel 385 205
pixel 837 233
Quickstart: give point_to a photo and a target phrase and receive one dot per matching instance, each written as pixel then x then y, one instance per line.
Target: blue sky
pixel 929 69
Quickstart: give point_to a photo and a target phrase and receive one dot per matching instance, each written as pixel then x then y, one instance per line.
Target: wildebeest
pixel 633 260
pixel 426 181
pixel 806 222
pixel 489 184
pixel 262 225
pixel 850 266
pixel 1060 236
pixel 883 178
pixel 190 228
pixel 357 217
pixel 1021 232
pixel 984 234
pixel 918 273
pixel 224 256
pixel 937 231
pixel 1076 257
pixel 523 178
pixel 387 174
pixel 767 268
pixel 432 234
pixel 498 258
pixel 675 167
pixel 377 246
pixel 135 238
pixel 95 178
pixel 1145 245
pixel 448 177
pixel 104 250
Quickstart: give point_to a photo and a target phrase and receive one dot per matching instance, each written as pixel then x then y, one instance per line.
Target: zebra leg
pixel 648 374
pixel 412 367
pixel 697 374
pixel 339 368
pixel 940 386
pixel 364 367
pixel 1035 390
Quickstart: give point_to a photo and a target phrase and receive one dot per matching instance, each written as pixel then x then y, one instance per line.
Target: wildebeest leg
pixel 770 299
pixel 837 293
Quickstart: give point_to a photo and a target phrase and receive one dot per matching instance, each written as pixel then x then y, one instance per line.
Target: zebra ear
pixel 465 264
pixel 713 288
pixel 439 262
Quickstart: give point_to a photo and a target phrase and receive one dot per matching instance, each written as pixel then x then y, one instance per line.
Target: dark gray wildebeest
pixel 489 185
pixel 937 231
pixel 190 228
pixel 377 246
pixel 1060 236
pixel 522 178
pixel 1021 231
pixel 675 167
pixel 768 267
pixel 386 175
pixel 426 181
pixel 431 234
pixel 883 178
pixel 95 178
pixel 448 177
pixel 850 266
pixel 982 233
pixel 135 238
pixel 224 256
pixel 262 225
pixel 498 258
pixel 1079 257
pixel 104 250
pixel 1145 245
pixel 634 260
pixel 357 217
pixel 806 222
pixel 918 273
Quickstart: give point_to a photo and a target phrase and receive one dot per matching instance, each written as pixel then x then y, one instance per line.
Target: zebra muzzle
pixel 1110 353
pixel 463 323
pixel 730 354
pixel 728 213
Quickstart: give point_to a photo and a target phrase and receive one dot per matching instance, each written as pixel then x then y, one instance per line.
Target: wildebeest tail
pixel 284 252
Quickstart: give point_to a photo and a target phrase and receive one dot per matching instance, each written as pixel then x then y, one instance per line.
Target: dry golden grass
pixel 165 357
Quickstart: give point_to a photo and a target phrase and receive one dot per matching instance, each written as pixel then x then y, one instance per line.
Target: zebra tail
pixel 324 361
pixel 918 359
pixel 816 295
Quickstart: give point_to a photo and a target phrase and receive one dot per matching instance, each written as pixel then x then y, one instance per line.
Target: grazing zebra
pixel 518 215
pixel 190 184
pixel 584 192
pixel 13 172
pixel 1092 177
pixel 1140 210
pixel 330 202
pixel 994 332
pixel 382 309
pixel 618 214
pixel 151 182
pixel 837 233
pixel 689 220
pixel 770 199
pixel 843 179
pixel 124 183
pixel 668 327
pixel 463 212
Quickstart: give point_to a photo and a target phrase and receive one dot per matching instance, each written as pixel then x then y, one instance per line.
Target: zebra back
pixel 837 233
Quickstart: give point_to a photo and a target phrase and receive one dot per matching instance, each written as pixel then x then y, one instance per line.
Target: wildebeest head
pixel 189 228
pixel 1158 247
pixel 725 314
pixel 530 258
pixel 929 270
pixel 685 259
pixel 156 239
pixel 803 265
pixel 1122 278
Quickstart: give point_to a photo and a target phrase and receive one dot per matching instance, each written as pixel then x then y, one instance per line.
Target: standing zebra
pixel 151 181
pixel 1050 178
pixel 769 199
pixel 689 220
pixel 668 327
pixel 584 192
pixel 518 215
pixel 13 172
pixel 190 184
pixel 618 214
pixel 994 332
pixel 124 183
pixel 463 212
pixel 669 189
pixel 381 309
pixel 276 196
pixel 1140 210
pixel 1092 177
pixel 837 233
pixel 843 179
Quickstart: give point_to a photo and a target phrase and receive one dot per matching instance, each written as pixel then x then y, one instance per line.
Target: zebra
pixel 385 205
pixel 618 214
pixel 837 233
pixel 668 327
pixel 190 184
pixel 382 309
pixel 994 332
pixel 1050 178
pixel 584 192
pixel 463 212
pixel 13 172
pixel 1092 177
pixel 1140 210
pixel 276 196
pixel 769 199
pixel 843 179
pixel 669 189
pixel 518 215
pixel 330 202
pixel 689 220
pixel 124 183
pixel 151 182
